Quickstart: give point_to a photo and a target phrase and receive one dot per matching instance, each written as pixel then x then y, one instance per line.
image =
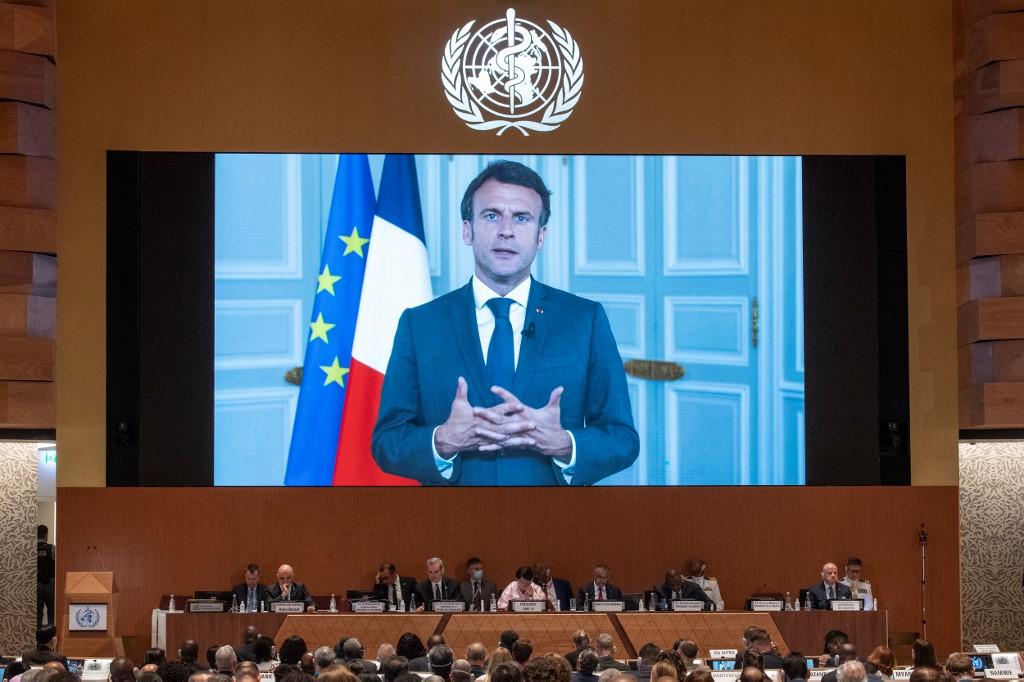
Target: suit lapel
pixel 467 335
pixel 532 344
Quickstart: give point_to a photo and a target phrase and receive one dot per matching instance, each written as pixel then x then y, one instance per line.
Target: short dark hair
pixel 42 531
pixel 440 659
pixel 924 654
pixel 46 633
pixel 507 639
pixel 173 671
pixel 522 650
pixel 505 672
pixel 473 560
pixel 211 656
pixel 524 572
pixel 263 649
pixel 761 636
pixel 252 568
pixel 291 650
pixel 688 647
pixel 795 665
pixel 854 561
pixel 410 645
pixel 394 666
pixel 154 655
pixel 649 653
pixel 509 173
pixel 587 661
pixel 387 566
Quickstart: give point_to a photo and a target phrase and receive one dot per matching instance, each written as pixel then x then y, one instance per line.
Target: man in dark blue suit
pixel 558 591
pixel 505 381
pixel 828 589
pixel 251 594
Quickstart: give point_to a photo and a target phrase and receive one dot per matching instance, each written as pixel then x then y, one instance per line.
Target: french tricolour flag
pixel 397 277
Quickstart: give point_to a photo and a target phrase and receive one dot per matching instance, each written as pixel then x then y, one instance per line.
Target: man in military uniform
pixel 860 588
pixel 695 572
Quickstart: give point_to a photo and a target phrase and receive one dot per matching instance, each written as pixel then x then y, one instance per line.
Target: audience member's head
pixel 549 668
pixel 883 659
pixel 122 670
pixel 323 657
pixel 189 651
pixel 498 656
pixel 434 640
pixel 407 677
pixel 148 668
pixel 250 634
pixel 588 661
pixel 604 645
pixel 385 650
pixel 393 666
pixel 440 660
pixel 200 676
pixel 752 674
pixel 307 664
pixel 225 659
pixel 285 670
pixel 926 673
pixel 462 671
pixel 337 673
pixel 154 655
pixel 687 648
pixel 476 654
pixel 247 667
pixel 220 677
pixel 752 659
pixel 263 649
pixel 672 658
pixel 960 667
pixel 211 656
pixel 46 634
pixel 846 652
pixel 924 654
pixel 507 639
pixel 522 650
pixel 291 650
pixel 649 654
pixel 700 674
pixel 580 640
pixel 16 668
pixel 410 646
pixel 833 640
pixel 795 666
pixel 663 669
pixel 173 671
pixel 352 649
pixel 368 677
pixel 608 675
pixel 851 671
pixel 148 675
pixel 505 672
pixel 247 675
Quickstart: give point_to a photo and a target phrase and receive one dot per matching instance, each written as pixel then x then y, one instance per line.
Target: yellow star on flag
pixel 354 243
pixel 320 329
pixel 335 373
pixel 326 281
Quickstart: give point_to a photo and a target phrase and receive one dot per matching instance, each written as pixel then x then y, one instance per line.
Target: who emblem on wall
pixel 511 73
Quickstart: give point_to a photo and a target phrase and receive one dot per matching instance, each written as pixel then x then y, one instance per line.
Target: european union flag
pixel 314 445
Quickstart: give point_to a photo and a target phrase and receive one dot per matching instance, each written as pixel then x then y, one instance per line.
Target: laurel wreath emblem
pixel 554 115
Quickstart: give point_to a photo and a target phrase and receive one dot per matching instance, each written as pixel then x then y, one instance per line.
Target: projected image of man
pixel 505 381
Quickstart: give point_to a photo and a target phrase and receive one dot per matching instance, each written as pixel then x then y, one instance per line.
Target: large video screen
pixel 659 341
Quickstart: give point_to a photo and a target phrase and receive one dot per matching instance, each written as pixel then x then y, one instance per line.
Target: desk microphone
pixel 530 330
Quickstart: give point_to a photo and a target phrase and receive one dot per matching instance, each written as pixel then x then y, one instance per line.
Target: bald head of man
pixel 830 574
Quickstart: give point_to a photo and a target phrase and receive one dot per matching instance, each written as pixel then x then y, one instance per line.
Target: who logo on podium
pixel 512 73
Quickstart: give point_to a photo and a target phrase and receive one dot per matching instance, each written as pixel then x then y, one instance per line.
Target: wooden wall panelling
pixel 27 405
pixel 27 78
pixel 28 273
pixel 162 540
pixel 28 29
pixel 27 315
pixel 29 130
pixel 989 130
pixel 28 229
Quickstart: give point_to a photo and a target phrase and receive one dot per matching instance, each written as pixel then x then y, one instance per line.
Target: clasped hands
pixel 510 424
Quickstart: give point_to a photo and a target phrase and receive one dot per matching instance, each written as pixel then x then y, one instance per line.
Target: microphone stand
pixel 922 539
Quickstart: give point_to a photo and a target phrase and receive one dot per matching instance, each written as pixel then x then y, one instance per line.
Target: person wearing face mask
pixel 558 591
pixel 696 571
pixel 476 589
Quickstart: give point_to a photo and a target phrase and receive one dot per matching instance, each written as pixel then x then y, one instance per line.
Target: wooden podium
pixel 90 587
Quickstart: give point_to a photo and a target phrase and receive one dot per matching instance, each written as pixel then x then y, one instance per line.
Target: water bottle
pixel 333 606
pixel 234 603
pixel 796 604
pixel 586 602
pixel 170 604
pixel 874 604
pixel 807 602
pixel 494 603
pixel 572 603
pixel 789 602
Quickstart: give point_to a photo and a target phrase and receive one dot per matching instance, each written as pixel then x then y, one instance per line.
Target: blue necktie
pixel 501 367
pixel 251 605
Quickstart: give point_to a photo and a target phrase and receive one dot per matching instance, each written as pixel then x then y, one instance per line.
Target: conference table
pixel 802 631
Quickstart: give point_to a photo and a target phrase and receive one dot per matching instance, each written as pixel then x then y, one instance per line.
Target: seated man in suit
pixel 477 590
pixel 436 586
pixel 675 587
pixel 828 589
pixel 599 588
pixel 505 381
pixel 586 665
pixel 761 643
pixel 604 646
pixel 558 591
pixel 393 588
pixel 251 593
pixel 287 589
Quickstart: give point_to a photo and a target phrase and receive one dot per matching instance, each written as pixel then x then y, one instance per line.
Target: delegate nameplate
pixel 527 605
pixel 986 648
pixel 205 606
pixel 448 606
pixel 818 673
pixel 608 605
pixel 288 606
pixel 688 605
pixel 725 675
pixel 901 674
pixel 723 653
pixel 1010 661
pixel 766 604
pixel 1000 674
pixel 847 605
pixel 367 606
